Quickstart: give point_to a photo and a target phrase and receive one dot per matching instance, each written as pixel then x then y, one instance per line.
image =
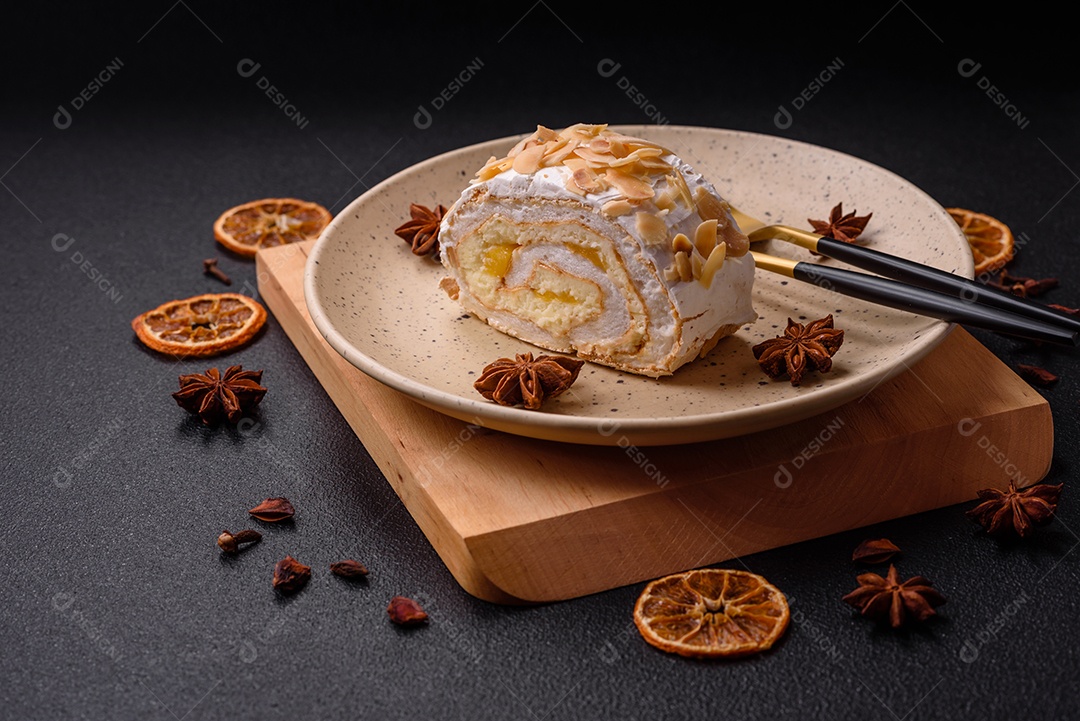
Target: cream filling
pixel 560 276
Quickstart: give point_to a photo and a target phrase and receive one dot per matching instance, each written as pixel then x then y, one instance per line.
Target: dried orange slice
pixel 266 223
pixel 712 613
pixel 991 240
pixel 204 325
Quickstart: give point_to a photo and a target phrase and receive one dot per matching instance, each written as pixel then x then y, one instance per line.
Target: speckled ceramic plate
pixel 381 307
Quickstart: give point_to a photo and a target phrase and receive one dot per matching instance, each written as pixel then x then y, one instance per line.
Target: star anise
pixel 1013 511
pixel 422 232
pixel 800 349
pixel 842 227
pixel 527 381
pixel 213 395
pixel 887 598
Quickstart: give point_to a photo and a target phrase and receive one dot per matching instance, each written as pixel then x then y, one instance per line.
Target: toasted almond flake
pixel 655 164
pixel 630 141
pixel 489 171
pixel 637 156
pixel 600 160
pixel 652 229
pixel 696 264
pixel 671 274
pixel 450 285
pixel 615 208
pixel 710 207
pixel 587 180
pixel 585 130
pixel 575 164
pixel 618 147
pixel 528 160
pixel 557 151
pixel 665 201
pixel 623 162
pixel 679 183
pixel 681 244
pixel 545 134
pixel 705 237
pixel 573 187
pixel 713 264
pixel 682 264
pixel 600 144
pixel 520 145
pixel 632 188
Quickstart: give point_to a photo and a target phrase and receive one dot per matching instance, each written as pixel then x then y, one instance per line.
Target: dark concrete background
pixel 115 602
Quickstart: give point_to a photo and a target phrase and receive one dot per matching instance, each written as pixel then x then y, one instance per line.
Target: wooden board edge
pixel 452 548
pixel 489 550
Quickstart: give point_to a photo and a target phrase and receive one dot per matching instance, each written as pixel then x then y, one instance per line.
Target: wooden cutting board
pixel 518 520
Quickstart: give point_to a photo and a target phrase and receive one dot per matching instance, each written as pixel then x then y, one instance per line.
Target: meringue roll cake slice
pixel 610 247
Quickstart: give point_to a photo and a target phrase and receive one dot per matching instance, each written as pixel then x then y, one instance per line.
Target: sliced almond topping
pixel 696 264
pixel 665 201
pixel 494 168
pixel 450 286
pixel 713 264
pixel 593 158
pixel 623 162
pixel 557 151
pixel 630 142
pixel 585 130
pixel 651 228
pixel 679 183
pixel 671 274
pixel 705 237
pixel 682 264
pixel 618 147
pixel 709 207
pixel 586 180
pixel 681 244
pixel 600 145
pixel 656 164
pixel 575 164
pixel 528 160
pixel 632 188
pixel 521 145
pixel 573 187
pixel 617 207
pixel 545 134
pixel 638 155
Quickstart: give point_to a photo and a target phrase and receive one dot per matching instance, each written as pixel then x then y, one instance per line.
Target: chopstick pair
pixel 914 287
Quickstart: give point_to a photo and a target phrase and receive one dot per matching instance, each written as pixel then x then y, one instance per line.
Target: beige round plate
pixel 382 309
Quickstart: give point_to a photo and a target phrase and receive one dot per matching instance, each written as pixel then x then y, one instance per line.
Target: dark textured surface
pixel 116 604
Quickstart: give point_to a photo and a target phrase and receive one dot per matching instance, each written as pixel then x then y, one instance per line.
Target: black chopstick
pixel 924 276
pixel 944 306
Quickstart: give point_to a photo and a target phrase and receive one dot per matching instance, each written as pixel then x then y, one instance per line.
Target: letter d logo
pixel 783 477
pixel 783 118
pixel 422 119
pixel 62 601
pixel 967 427
pixel 247 67
pixel 607 67
pixel 62 118
pixel 968 67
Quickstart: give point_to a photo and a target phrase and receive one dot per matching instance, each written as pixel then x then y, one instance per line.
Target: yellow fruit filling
pixel 557 299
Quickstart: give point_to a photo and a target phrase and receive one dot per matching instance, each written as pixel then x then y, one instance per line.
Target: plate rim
pixel 556 426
